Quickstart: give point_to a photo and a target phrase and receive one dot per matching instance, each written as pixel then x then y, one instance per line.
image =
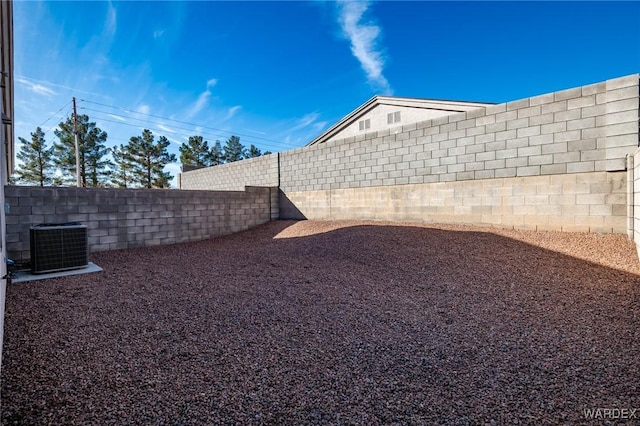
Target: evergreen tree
pixel 36 160
pixel 149 159
pixel 98 173
pixel 195 152
pixel 217 155
pixel 122 176
pixel 91 141
pixel 253 151
pixel 233 150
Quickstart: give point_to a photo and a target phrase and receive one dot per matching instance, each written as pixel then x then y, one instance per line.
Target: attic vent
pixel 58 247
pixel 393 117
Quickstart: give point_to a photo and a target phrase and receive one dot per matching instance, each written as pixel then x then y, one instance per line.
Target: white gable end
pixel 386 112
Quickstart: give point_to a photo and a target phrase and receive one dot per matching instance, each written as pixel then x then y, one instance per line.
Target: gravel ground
pixel 332 323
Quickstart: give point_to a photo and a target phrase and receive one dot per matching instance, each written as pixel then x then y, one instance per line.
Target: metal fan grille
pixel 58 248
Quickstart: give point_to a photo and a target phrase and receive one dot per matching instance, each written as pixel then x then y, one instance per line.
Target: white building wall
pixel 378 119
pixel 6 142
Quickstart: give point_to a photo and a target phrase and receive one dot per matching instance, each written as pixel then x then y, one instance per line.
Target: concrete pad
pixel 24 276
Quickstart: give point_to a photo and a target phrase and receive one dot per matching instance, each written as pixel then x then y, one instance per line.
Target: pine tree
pixel 91 140
pixel 253 151
pixel 233 150
pixel 195 152
pixel 149 159
pixel 217 155
pixel 122 176
pixel 36 158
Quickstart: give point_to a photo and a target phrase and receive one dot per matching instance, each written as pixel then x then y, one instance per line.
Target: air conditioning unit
pixel 58 247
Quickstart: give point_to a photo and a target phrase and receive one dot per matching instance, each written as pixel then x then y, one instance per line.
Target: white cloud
pixel 158 33
pixel 364 41
pixel 35 86
pixel 255 131
pixel 143 109
pixel 319 125
pixel 117 117
pixel 111 22
pixel 166 129
pixel 307 119
pixel 232 111
pixel 200 103
pixel 45 87
pixel 203 99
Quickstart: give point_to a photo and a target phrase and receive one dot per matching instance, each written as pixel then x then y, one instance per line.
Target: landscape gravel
pixel 332 323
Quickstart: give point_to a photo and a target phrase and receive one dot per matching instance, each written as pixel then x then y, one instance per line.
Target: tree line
pixel 197 152
pixel 139 163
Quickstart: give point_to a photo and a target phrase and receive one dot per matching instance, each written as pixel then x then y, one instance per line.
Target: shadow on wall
pixel 317 318
pixel 288 209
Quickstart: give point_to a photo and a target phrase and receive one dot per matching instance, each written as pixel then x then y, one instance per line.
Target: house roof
pixel 420 103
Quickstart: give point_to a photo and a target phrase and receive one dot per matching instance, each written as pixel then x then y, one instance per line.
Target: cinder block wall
pixel 554 161
pixel 635 200
pixel 125 218
pixel 259 171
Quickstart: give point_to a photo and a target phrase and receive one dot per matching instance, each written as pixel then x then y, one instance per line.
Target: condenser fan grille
pixel 58 247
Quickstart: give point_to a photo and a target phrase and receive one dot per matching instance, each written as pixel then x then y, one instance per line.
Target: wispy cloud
pixel 144 109
pixel 111 21
pixel 364 39
pixel 232 111
pixel 46 87
pixel 199 104
pixel 157 34
pixel 203 99
pixel 166 129
pixel 306 121
pixel 117 117
pixel 36 87
pixel 255 131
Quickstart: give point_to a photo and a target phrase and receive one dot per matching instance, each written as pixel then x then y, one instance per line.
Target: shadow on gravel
pixel 375 324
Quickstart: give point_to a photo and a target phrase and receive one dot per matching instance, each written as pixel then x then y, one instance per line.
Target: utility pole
pixel 75 132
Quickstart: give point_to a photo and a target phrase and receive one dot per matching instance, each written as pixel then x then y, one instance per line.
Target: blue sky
pixel 277 74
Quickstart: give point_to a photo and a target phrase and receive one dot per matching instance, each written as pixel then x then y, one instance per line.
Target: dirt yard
pixel 332 323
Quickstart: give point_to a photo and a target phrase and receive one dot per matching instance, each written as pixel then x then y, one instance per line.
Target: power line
pixel 173 133
pixel 66 114
pixel 183 122
pixel 51 116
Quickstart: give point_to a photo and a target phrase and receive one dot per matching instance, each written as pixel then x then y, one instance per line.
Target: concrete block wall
pixel 570 202
pixel 585 132
pixel 126 218
pixel 259 171
pixel 586 129
pixel 634 209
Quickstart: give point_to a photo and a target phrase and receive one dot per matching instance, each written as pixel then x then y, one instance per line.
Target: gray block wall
pixel 126 218
pixel 583 133
pixel 586 129
pixel 259 171
pixel 634 207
